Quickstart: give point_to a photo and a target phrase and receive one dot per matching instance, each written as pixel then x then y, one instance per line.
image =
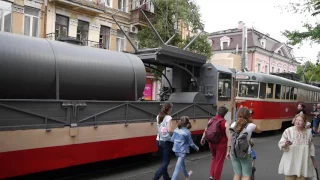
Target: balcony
pixel 92 7
pixel 138 19
pixel 73 40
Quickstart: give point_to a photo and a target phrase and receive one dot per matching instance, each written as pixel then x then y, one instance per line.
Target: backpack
pixel 213 133
pixel 163 131
pixel 239 143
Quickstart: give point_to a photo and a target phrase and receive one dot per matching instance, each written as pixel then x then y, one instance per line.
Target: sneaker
pixel 211 178
pixel 190 173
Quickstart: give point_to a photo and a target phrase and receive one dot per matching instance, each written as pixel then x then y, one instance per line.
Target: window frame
pixel 31 22
pixel 272 91
pixel 61 25
pixel 109 38
pixel 118 46
pixel 122 8
pixel 3 17
pixel 86 40
pixel 226 98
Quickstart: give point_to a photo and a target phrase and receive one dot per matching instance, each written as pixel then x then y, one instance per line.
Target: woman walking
pixel 218 149
pixel 297 162
pixel 164 140
pixel 240 149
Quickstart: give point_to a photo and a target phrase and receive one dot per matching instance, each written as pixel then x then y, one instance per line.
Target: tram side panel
pixel 38 136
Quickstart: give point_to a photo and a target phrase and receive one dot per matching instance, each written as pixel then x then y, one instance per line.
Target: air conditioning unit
pixel 133 29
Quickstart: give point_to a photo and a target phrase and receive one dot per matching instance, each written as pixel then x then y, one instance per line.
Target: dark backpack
pixel 213 133
pixel 239 143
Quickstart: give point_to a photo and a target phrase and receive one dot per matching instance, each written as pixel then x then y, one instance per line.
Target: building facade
pixel 229 60
pixel 89 21
pixel 265 54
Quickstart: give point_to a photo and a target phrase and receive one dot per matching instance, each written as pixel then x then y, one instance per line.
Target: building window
pixel 263 42
pixel 122 5
pixel 224 42
pixel 104 39
pixel 137 44
pixel 148 6
pixel 259 67
pixel 120 41
pixel 273 69
pixel 82 32
pixel 284 70
pixel 266 69
pixel 278 70
pixel 62 26
pixel 5 16
pixel 108 3
pixel 224 45
pixel 31 21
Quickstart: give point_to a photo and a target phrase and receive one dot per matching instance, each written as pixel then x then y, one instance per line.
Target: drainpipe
pixel 45 18
pixel 252 57
pixel 269 61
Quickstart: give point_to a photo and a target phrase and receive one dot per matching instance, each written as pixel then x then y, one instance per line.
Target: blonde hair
pixel 303 116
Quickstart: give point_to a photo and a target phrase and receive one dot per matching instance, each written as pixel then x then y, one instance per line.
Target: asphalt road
pixel 144 167
pixel 268 158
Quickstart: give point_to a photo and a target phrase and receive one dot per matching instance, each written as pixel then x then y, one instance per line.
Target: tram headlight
pixel 251 111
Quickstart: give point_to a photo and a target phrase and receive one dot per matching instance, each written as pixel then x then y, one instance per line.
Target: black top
pixel 304 112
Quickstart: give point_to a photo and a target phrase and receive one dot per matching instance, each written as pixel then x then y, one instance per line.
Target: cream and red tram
pixel 273 99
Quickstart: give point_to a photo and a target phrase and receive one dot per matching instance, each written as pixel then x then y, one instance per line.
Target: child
pixel 254 157
pixel 182 141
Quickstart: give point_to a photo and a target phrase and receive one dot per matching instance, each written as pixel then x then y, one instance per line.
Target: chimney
pixel 244 56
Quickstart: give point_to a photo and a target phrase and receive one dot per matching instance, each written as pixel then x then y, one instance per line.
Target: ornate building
pixel 265 54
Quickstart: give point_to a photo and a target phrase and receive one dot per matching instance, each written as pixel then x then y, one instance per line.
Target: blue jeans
pixel 181 165
pixel 315 122
pixel 165 149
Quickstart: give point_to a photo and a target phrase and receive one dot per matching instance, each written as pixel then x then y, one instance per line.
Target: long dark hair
pixel 164 111
pixel 184 122
pixel 243 119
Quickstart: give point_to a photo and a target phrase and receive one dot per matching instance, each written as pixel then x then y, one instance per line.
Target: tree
pixel 312 72
pixel 312 31
pixel 316 8
pixel 168 16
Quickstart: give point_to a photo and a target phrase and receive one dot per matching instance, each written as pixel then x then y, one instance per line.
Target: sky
pixel 263 15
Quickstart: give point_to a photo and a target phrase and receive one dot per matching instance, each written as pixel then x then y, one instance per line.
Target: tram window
pixel 262 93
pixel 295 93
pixel 278 91
pixel 236 87
pixel 288 92
pixel 270 91
pixel 248 89
pixel 291 91
pixel 224 90
pixel 283 92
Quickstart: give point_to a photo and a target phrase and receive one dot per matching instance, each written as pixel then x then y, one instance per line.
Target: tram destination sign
pixel 242 76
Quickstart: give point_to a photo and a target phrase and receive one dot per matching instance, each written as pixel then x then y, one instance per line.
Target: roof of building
pixel 253 40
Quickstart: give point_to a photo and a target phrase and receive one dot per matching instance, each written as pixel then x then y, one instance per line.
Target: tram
pixel 273 100
pixel 65 106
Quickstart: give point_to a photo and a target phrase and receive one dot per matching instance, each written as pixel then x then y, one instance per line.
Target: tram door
pixel 226 93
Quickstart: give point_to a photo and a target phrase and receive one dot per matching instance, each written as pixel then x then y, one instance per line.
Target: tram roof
pixel 267 78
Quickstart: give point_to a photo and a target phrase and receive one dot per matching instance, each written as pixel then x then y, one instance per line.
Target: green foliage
pixel 311 32
pixel 312 72
pixel 167 12
pixel 200 45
